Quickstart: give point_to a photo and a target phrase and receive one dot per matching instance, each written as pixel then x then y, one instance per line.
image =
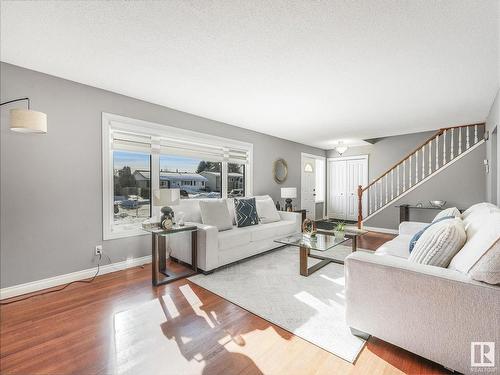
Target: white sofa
pixel 216 249
pixel 431 311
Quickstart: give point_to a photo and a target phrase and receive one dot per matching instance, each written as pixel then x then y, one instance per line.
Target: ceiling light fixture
pixel 26 120
pixel 341 148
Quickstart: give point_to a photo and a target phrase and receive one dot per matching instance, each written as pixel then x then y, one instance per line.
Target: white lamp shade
pixel 28 121
pixel 289 192
pixel 166 197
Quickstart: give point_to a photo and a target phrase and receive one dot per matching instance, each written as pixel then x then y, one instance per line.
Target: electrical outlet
pixel 98 250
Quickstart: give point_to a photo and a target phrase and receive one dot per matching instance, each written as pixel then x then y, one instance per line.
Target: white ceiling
pixel 308 71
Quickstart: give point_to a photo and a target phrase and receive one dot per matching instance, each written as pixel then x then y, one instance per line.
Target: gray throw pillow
pixel 246 212
pixel 215 212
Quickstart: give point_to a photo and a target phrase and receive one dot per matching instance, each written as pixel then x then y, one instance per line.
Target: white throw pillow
pixel 487 269
pixel 230 207
pixel 452 211
pixel 216 213
pixel 267 211
pixel 482 231
pixel 479 207
pixel 439 243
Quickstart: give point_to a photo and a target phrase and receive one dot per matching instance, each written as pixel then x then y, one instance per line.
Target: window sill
pixel 114 235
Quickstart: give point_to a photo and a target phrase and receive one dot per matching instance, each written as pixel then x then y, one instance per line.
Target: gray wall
pixel 51 185
pixel 461 185
pixel 492 155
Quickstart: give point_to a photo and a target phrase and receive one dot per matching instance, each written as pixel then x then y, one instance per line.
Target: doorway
pixel 312 185
pixel 345 174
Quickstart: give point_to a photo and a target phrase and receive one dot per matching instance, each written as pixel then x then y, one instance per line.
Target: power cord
pixel 87 281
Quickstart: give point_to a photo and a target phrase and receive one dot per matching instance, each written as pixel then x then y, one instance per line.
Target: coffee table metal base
pixel 305 253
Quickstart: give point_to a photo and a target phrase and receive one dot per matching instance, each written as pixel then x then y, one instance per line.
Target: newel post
pixel 360 205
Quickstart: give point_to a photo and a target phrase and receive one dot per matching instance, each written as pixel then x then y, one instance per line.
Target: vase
pixel 339 235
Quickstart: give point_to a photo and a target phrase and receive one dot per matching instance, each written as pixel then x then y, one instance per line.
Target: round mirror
pixel 280 171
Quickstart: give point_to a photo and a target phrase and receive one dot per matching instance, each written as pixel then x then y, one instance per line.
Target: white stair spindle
pixel 437 152
pixel 404 175
pixel 430 157
pixel 475 134
pixel 423 161
pixel 444 147
pixel 381 196
pixel 386 190
pixel 416 167
pixel 409 172
pixel 397 180
pixel 459 141
pixel 392 184
pixel 451 145
pixel 374 198
pixel 467 144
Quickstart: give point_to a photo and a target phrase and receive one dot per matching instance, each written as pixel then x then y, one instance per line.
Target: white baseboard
pixel 381 230
pixel 33 286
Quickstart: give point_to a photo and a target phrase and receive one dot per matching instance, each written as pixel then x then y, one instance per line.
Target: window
pixel 194 177
pixel 320 180
pixel 131 188
pixel 235 180
pixel 140 158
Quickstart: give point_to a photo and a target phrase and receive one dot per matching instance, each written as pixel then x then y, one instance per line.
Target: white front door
pixel 344 177
pixel 308 186
pixel 337 189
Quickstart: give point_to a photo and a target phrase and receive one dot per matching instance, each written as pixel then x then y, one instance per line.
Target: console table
pixel 404 210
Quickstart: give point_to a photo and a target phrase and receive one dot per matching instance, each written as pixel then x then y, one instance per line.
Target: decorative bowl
pixel 437 204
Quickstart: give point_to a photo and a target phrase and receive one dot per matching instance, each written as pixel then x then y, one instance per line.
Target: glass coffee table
pixel 320 243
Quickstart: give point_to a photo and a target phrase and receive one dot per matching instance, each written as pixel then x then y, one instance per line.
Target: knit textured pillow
pixel 452 211
pixel 417 235
pixel 439 243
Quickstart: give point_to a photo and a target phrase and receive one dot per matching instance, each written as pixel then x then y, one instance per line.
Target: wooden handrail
pixel 437 134
pixel 361 189
pixel 464 126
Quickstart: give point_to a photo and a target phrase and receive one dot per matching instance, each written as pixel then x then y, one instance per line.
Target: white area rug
pixel 271 287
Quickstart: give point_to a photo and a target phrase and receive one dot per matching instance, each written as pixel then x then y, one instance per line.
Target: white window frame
pixel 156 131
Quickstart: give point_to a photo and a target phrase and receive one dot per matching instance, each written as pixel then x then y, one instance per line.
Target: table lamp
pixel 288 194
pixel 166 198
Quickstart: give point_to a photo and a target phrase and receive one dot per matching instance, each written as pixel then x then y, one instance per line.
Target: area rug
pixel 312 307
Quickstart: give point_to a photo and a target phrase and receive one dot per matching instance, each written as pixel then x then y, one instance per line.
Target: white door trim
pixel 356 157
pixel 312 156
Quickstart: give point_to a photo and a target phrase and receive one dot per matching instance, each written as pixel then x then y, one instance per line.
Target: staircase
pixel 441 150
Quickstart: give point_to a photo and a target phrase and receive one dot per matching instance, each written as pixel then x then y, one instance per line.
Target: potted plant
pixel 339 230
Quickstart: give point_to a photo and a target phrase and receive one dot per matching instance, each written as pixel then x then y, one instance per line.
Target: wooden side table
pixel 161 274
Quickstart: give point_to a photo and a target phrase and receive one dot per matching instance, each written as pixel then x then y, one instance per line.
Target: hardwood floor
pixel 120 324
